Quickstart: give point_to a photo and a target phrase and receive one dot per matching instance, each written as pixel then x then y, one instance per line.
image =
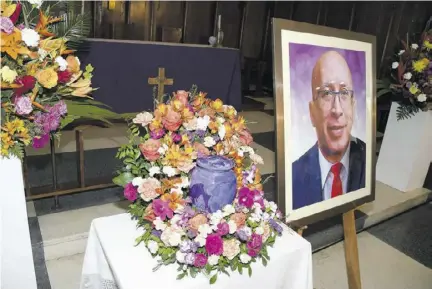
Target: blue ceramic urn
pixel 213 183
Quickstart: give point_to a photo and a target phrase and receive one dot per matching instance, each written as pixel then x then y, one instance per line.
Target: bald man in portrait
pixel 335 165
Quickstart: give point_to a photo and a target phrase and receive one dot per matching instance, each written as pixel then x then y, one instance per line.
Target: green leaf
pixel 213 279
pixel 250 271
pixel 240 268
pixel 181 276
pixel 264 262
pixel 123 179
pixel 67 120
pixel 192 272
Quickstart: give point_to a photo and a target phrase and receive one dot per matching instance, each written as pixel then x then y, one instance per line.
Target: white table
pixel 112 261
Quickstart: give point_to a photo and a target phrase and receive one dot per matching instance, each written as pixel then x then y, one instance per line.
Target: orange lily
pixel 10 43
pixel 217 105
pixel 174 200
pixel 168 184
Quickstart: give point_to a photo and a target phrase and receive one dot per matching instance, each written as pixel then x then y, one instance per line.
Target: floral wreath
pixel 195 187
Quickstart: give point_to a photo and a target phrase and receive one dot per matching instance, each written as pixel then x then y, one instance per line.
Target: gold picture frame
pixel 287 33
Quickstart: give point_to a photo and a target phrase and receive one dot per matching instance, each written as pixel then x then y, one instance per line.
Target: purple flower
pixel 214 244
pixel 6 25
pixel 200 260
pixel 23 105
pixel 156 233
pixel 161 209
pixel 216 138
pixel 21 26
pixel 244 233
pixel 255 242
pixel 59 108
pixel 276 226
pixel 176 137
pixel 200 133
pixel 190 259
pixel 246 197
pixel 51 122
pixel 157 134
pixel 186 246
pixel 191 234
pixel 188 212
pixel 222 229
pixel 130 192
pixel 40 142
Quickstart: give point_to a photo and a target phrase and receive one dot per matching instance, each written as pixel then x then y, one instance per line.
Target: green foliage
pixel 88 71
pixel 123 179
pixel 383 87
pixel 406 111
pixel 213 279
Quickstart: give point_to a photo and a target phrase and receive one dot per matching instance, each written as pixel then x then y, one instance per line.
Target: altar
pixel 113 261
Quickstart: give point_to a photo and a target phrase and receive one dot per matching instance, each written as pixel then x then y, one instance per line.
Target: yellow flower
pixel 47 77
pixel 217 105
pixel 7 74
pixel 420 65
pixel 414 89
pixel 6 143
pixel 17 125
pixel 427 44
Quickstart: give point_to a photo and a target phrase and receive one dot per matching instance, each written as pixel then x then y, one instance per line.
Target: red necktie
pixel 337 183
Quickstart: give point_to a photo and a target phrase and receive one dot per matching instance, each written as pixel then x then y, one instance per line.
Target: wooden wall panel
pixel 254 29
pixel 231 20
pixel 337 14
pixel 199 22
pixel 139 20
pixel 168 14
pixel 305 11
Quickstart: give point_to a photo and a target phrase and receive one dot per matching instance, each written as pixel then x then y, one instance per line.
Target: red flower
pixel 14 17
pixel 27 82
pixel 64 76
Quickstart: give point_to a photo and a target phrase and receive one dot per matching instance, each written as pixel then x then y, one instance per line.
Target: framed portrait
pixel 324 83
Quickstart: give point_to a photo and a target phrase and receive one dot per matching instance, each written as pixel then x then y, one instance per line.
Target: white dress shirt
pixel 327 175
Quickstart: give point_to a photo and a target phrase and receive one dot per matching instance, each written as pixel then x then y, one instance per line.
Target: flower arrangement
pixel 195 187
pixel 412 74
pixel 43 86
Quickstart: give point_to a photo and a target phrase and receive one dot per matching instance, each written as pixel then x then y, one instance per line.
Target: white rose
pixel 407 75
pixel 38 3
pixel 143 118
pixel 169 171
pixel 205 229
pixel 259 230
pixel 228 210
pixel 245 258
pixel 232 226
pixel 216 217
pixel 203 122
pixel 162 150
pixel 209 141
pixel 175 219
pixel 200 239
pixel 221 131
pixel 265 217
pixel 257 159
pixel 137 181
pixel 395 65
pixel 159 224
pixel 401 52
pixel 61 62
pixel 273 206
pixel 422 97
pixel 213 260
pixel 153 246
pixel 172 236
pixel 414 46
pixel 154 171
pixel 180 256
pixel 191 125
pixel 30 37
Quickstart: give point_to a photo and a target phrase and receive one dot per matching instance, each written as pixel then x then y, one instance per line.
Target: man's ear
pixel 312 112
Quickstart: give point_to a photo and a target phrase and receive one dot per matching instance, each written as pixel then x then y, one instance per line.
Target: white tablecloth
pixel 16 257
pixel 113 261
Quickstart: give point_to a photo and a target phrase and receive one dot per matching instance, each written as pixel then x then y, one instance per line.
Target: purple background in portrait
pixel 302 60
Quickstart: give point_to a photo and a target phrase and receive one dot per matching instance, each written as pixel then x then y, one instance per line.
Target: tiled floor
pixel 59 237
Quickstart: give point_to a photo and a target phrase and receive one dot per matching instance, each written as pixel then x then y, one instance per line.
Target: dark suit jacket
pixel 306 174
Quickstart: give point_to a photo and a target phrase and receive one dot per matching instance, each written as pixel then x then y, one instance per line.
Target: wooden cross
pixel 160 81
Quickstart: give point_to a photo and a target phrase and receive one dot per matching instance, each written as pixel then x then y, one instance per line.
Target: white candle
pixel 219 22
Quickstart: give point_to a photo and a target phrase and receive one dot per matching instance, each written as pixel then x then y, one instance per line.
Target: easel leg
pixel 79 139
pixel 54 172
pixel 351 251
pixel 300 230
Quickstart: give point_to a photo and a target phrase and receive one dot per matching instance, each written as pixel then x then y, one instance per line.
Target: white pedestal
pixel 17 268
pixel 406 151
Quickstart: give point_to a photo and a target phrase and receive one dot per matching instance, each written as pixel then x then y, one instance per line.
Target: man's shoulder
pixel 358 145
pixel 305 160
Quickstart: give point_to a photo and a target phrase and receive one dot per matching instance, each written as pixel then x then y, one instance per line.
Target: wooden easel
pixel 351 249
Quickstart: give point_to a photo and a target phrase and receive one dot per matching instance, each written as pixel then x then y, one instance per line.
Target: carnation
pixel 153 246
pixel 30 37
pixel 62 63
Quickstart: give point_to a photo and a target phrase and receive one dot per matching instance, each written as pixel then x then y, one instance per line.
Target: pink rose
pixel 150 149
pixel 231 248
pixel 186 167
pixel 148 189
pixel 245 137
pixel 239 219
pixel 172 120
pixel 149 214
pixel 201 149
pixel 183 96
pixel 197 221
